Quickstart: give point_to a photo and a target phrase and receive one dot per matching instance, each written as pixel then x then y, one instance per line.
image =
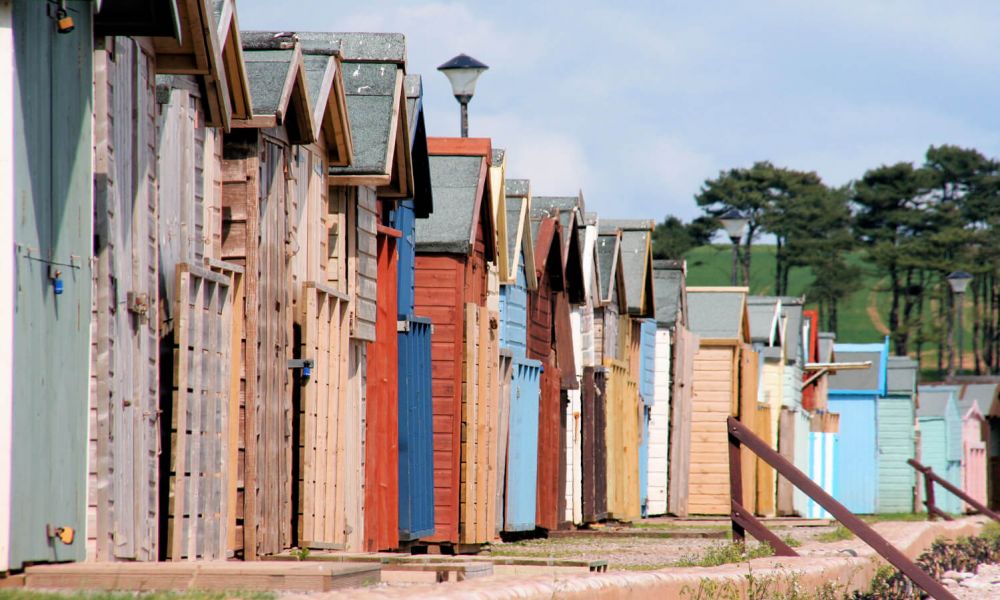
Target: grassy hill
pixel 862 316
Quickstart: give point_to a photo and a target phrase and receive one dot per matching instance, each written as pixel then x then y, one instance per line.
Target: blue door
pixel 522 453
pixel 416 435
pixel 856 462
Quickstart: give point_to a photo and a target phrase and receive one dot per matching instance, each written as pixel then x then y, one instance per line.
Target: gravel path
pixel 983 584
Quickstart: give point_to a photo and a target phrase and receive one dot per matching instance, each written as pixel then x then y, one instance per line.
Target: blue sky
pixel 637 103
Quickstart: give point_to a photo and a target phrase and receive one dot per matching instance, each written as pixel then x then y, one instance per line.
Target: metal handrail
pixel 743 520
pixel 930 478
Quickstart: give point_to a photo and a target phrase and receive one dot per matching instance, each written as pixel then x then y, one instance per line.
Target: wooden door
pixel 125 335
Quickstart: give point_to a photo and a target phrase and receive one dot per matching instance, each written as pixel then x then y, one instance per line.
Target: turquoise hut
pixel 896 439
pixel 941 439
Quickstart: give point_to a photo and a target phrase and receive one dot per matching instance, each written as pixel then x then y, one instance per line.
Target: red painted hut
pixel 455 247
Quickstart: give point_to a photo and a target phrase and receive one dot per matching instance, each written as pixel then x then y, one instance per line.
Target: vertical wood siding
pixel 594 451
pixel 522 462
pixel 712 388
pixel 550 452
pixel 681 417
pixel 623 422
pixel 659 426
pixel 381 424
pixel 126 362
pixel 896 479
pixel 367 265
pixel 506 374
pixel 416 435
pixel 856 464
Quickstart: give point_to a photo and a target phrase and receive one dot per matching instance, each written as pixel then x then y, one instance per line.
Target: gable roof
pixel 764 313
pixel 280 93
pixel 983 394
pixel 901 375
pixel 519 240
pixel 718 313
pixel 459 176
pixel 324 86
pixel 423 199
pixel 791 312
pixel 498 205
pixel 374 66
pixel 233 66
pixel 610 268
pixel 936 401
pixel 668 285
pixel 827 341
pixel 637 263
pixel 861 380
pixel 569 211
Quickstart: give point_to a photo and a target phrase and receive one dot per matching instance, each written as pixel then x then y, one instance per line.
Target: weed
pixel 300 553
pixel 839 534
pixel 791 541
pixel 727 553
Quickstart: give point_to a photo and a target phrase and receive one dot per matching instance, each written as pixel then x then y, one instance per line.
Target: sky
pixel 638 103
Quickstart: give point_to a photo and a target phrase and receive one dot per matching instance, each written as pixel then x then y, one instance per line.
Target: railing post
pixel 930 478
pixel 736 487
pixel 929 494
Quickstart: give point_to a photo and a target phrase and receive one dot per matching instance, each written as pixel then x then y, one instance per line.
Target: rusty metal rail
pixel 743 520
pixel 930 478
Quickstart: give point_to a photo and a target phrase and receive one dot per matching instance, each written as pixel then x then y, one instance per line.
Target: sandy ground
pixel 984 583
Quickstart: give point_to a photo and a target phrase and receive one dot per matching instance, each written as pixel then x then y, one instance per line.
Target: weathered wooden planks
pixel 623 429
pixel 198 523
pixel 125 429
pixel 765 473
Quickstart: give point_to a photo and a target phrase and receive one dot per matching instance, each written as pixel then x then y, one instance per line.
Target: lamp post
pixel 463 71
pixel 735 225
pixel 958 281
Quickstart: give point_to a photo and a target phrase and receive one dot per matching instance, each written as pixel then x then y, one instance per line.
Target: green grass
pixel 726 553
pixel 907 516
pixel 11 594
pixel 839 534
pixel 991 531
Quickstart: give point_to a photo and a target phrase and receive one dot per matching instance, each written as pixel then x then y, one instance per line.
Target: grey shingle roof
pixel 363 47
pixel 715 314
pixel 497 157
pixel 827 340
pixel 635 266
pixel 760 312
pixel 859 379
pixel 982 394
pixel 565 205
pixel 901 375
pixel 370 89
pixel 668 282
pixel 791 309
pixel 517 187
pixel 315 66
pixel 455 181
pixel 607 246
pixel 267 71
pixel 513 222
pixel 934 400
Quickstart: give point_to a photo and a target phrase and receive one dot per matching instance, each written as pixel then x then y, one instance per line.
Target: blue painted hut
pixel 416 436
pixel 647 382
pixel 521 465
pixel 941 439
pixel 854 395
pixel 896 443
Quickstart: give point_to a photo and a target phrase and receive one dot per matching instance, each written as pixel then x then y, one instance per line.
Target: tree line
pixel 911 225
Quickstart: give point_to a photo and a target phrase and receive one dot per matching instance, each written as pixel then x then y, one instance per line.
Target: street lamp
pixel 958 281
pixel 735 225
pixel 463 71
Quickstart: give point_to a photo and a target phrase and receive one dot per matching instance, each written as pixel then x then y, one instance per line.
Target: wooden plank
pixel 469 429
pixel 181 401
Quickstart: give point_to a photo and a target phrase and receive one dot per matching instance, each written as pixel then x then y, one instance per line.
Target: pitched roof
pixel 460 183
pixel 278 85
pixel 934 400
pixel 637 263
pixel 668 283
pixel 373 72
pixel 518 193
pixel 423 198
pixel 871 379
pixel 765 315
pixel 717 313
pixel 233 65
pixel 827 343
pixel 608 262
pixel 901 375
pixel 983 394
pixel 498 204
pixel 791 311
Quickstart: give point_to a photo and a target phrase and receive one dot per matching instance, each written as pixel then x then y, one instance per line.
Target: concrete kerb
pixel 848 566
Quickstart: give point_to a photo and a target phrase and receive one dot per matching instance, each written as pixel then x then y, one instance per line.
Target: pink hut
pixel 975 432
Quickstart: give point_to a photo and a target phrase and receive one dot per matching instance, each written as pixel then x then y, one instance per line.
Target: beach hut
pixel 854 395
pixel 670 415
pixel 454 247
pixel 518 453
pixel 794 422
pixel 818 357
pixel 975 435
pixel 574 244
pixel 724 383
pixel 551 342
pixel 415 418
pixel 582 322
pixel 941 439
pixel 896 437
pixel 767 336
pixel 985 393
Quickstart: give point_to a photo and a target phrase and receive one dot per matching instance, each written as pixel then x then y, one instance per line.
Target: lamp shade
pixel 959 280
pixel 734 223
pixel 463 71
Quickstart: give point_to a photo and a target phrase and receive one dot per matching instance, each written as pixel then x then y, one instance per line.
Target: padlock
pixel 64 22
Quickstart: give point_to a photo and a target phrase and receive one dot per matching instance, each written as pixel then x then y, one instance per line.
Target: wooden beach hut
pixel 454 248
pixel 724 383
pixel 415 418
pixel 518 475
pixel 823 425
pixel 550 341
pixel 570 210
pixel 670 415
pixel 767 336
pixel 896 437
pixel 975 435
pixel 985 394
pixel 941 439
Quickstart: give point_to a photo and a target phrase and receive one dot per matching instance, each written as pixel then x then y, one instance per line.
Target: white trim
pixel 7 82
